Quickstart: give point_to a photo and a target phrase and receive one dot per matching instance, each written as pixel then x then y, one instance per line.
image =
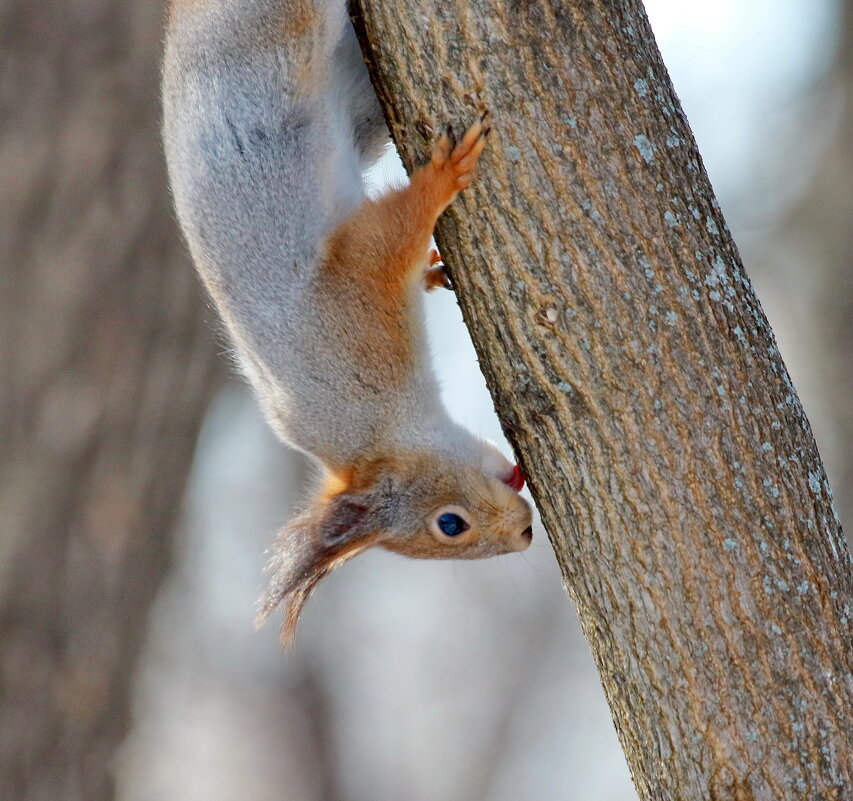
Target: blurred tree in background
pixel 820 231
pixel 105 373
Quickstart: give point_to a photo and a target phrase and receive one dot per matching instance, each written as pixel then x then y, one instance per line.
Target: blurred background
pixel 139 486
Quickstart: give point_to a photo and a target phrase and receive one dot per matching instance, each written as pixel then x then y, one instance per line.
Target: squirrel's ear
pixel 312 546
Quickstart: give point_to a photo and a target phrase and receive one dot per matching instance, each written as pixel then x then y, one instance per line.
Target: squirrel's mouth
pixel 515 480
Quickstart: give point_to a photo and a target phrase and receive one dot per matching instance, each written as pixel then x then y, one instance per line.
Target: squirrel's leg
pixel 436 276
pixel 386 239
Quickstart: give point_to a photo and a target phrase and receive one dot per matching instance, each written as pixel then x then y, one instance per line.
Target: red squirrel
pixel 269 122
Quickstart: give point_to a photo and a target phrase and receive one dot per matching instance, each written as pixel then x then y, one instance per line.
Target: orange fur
pixel 436 278
pixel 383 244
pixel 178 6
pixel 387 238
pixel 335 484
pixel 298 22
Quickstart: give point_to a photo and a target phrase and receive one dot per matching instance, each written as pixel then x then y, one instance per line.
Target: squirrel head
pixel 426 505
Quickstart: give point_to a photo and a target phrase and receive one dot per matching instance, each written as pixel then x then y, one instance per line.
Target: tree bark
pixel 638 379
pixel 105 368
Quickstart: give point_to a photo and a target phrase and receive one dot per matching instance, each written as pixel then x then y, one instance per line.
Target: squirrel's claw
pixel 437 278
pixel 455 162
pixel 472 142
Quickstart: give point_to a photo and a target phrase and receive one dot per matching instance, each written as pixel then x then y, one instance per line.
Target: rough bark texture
pixel 636 375
pixel 104 375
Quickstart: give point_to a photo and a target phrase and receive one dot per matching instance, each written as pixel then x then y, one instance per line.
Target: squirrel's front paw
pixel 435 276
pixel 455 162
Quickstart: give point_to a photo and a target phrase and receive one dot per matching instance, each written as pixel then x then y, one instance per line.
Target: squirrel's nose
pixel 524 539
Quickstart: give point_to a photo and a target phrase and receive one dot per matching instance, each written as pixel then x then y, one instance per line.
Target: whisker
pixel 488 503
pixel 529 563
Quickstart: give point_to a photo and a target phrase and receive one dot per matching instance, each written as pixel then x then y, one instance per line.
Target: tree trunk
pixel 105 367
pixel 637 377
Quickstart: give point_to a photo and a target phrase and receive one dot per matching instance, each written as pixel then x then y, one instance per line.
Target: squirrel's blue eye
pixel 452 525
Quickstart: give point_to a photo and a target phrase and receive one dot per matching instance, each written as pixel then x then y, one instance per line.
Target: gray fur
pixel 266 142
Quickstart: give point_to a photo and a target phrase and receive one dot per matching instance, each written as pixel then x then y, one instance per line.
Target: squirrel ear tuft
pixel 346 517
pixel 309 548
